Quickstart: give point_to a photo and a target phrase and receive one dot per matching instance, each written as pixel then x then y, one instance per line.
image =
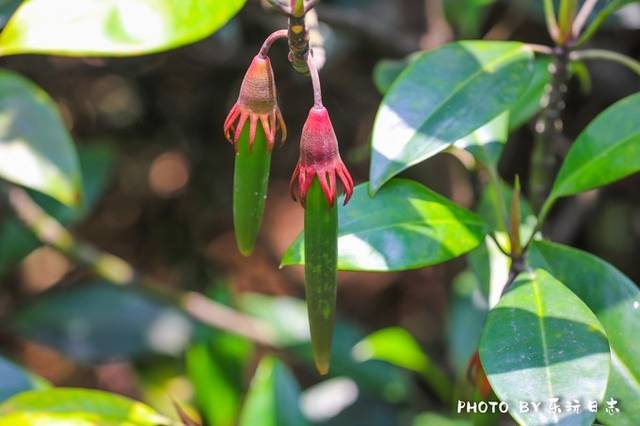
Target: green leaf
pixel 606 151
pixel 442 97
pixel 433 419
pixel 615 300
pixel 273 398
pixel 16 241
pixel 397 346
pixel 288 317
pixel 15 379
pixel 77 407
pixel 542 342
pixel 215 365
pixel 465 320
pixel 487 142
pixel 112 27
pixel 405 226
pixel 95 321
pixel 468 19
pixel 36 150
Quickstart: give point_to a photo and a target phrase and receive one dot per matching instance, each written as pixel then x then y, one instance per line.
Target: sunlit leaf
pixel 16 241
pixel 442 97
pixel 487 142
pixel 215 364
pixel 36 150
pixel 606 151
pixel 542 342
pixel 404 226
pixel 615 300
pixel 397 346
pixel 273 398
pixel 77 407
pixel 112 27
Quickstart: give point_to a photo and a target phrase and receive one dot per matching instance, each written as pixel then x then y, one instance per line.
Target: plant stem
pixel 606 55
pixel 548 129
pixel 315 82
pixel 117 271
pixel 273 37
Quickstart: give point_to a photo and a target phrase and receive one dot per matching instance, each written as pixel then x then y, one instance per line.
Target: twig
pixel 540 48
pixel 273 37
pixel 315 81
pixel 117 271
pixel 548 128
pixel 607 55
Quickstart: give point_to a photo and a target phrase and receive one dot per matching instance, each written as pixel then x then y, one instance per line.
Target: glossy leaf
pixel 405 226
pixel 606 151
pixel 77 407
pixel 36 150
pixel 16 241
pixel 273 398
pixel 112 27
pixel 16 379
pixel 542 342
pixel 487 142
pixel 397 346
pixel 615 300
pixel 96 321
pixel 442 97
pixel 288 317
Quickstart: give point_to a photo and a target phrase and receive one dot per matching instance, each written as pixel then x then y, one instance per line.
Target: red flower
pixel 319 157
pixel 256 103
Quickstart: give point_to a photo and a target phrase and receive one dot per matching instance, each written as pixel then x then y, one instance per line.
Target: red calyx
pixel 319 156
pixel 256 103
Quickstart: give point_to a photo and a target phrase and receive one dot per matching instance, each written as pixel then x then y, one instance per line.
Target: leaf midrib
pixel 545 348
pixel 464 83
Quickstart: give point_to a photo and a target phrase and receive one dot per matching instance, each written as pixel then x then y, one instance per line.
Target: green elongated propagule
pixel 251 126
pixel 320 271
pixel 313 183
pixel 250 184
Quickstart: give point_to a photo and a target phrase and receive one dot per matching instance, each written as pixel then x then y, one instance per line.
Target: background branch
pixel 117 271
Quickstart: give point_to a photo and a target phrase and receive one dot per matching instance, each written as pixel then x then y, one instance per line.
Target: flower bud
pixel 319 156
pixel 256 104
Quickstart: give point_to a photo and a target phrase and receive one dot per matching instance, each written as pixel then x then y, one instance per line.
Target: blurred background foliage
pixel 158 176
